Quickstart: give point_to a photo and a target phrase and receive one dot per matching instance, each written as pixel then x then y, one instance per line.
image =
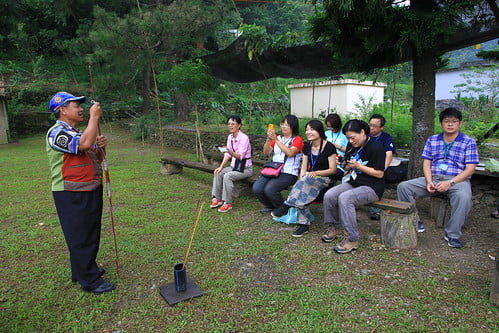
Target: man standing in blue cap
pixel 75 158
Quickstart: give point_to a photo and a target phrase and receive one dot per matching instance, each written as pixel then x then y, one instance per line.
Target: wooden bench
pixel 174 165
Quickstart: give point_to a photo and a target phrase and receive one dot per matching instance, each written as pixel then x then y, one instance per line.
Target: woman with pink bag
pixel 287 151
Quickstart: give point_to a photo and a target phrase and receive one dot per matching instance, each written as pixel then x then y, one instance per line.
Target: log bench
pixel 174 165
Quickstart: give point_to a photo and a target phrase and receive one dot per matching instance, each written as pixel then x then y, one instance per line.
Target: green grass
pixel 256 278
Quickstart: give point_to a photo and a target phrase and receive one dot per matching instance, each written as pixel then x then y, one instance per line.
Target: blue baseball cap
pixel 62 97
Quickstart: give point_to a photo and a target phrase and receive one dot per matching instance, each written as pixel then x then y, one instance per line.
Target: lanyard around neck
pixel 447 148
pixel 314 160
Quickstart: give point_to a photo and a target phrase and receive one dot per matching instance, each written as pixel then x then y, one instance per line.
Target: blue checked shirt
pixel 450 159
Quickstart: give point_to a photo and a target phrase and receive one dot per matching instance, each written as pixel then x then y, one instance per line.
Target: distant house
pixel 339 96
pixel 448 82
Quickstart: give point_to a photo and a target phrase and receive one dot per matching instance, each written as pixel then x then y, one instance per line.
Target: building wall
pixel 446 81
pixel 340 96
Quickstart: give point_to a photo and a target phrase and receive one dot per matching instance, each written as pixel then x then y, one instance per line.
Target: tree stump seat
pixel 440 209
pixel 397 223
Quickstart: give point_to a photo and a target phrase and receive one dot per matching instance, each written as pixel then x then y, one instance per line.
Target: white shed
pixel 339 96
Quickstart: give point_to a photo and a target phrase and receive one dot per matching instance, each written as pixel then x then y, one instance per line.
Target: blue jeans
pixel 268 190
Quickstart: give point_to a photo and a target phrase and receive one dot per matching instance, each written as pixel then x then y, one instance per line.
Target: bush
pixel 399 126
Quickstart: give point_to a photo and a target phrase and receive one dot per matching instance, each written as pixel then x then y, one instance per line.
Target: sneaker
pixel 453 242
pixel 331 234
pixel 375 213
pixel 225 208
pixel 280 211
pixel 346 246
pixel 216 203
pixel 301 230
pixel 266 210
pixel 420 227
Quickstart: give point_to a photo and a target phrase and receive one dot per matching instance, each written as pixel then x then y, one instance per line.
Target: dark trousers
pixel 80 217
pixel 268 190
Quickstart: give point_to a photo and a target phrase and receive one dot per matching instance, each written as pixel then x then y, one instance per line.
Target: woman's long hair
pixel 318 126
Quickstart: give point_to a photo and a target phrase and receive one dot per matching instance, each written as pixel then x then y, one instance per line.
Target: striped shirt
pixel 450 159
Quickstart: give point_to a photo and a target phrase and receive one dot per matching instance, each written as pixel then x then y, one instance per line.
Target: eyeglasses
pixel 373 126
pixel 449 122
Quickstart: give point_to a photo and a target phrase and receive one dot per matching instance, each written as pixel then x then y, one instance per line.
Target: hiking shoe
pixel 280 211
pixel 266 210
pixel 301 230
pixel 453 242
pixel 225 208
pixel 420 227
pixel 331 234
pixel 216 203
pixel 346 246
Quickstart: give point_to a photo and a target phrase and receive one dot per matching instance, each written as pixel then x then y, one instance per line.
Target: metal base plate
pixel 172 296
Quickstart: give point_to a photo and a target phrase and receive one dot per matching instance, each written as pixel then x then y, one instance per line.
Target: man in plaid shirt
pixel 449 161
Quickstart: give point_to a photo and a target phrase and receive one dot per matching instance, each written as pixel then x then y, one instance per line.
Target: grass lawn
pixel 256 277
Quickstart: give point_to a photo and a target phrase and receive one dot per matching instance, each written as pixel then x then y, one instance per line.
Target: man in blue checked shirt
pixel 449 160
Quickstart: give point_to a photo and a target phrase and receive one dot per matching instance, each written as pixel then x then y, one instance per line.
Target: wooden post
pixel 398 230
pixel 440 210
pixel 4 120
pixel 494 289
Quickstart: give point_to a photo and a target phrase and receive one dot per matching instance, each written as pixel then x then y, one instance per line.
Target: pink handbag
pixel 272 169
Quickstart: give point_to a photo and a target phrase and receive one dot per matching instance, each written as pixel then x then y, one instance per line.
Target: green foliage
pixel 362 33
pixel 145 126
pixel 277 18
pixel 256 39
pixel 191 78
pixel 479 117
pixel 491 55
pixel 398 122
pixel 482 80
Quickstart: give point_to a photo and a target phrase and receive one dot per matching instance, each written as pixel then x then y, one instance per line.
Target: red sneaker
pixel 216 203
pixel 225 208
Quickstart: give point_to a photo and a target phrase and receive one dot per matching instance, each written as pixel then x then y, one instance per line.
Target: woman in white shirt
pixel 287 148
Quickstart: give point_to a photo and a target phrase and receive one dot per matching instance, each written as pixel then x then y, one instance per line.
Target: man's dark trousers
pixel 80 217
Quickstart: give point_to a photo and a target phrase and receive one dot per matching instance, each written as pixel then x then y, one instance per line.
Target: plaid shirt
pixel 451 159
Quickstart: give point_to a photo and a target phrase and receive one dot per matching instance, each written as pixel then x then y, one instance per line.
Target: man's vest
pixel 71 170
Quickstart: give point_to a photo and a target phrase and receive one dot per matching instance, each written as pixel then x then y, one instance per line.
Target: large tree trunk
pixel 182 106
pixel 146 90
pixel 423 107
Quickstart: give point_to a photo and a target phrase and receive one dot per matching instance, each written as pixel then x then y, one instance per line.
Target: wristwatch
pixel 452 183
